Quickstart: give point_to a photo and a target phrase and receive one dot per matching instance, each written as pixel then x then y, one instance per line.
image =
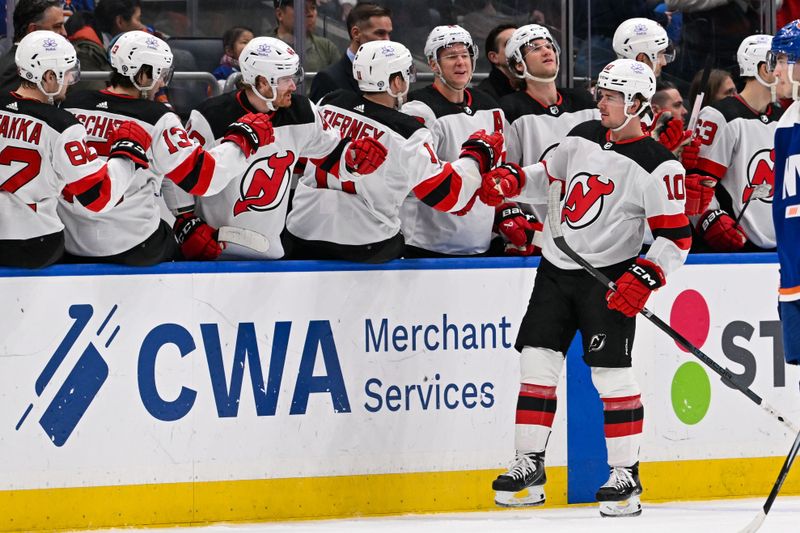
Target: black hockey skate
pixel 620 494
pixel 525 473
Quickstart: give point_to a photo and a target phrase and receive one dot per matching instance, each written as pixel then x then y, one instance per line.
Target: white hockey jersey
pixel 613 190
pixel 737 148
pixel 450 124
pixel 172 153
pixel 325 208
pixel 258 199
pixel 43 153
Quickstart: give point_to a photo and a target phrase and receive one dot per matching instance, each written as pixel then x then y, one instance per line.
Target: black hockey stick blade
pixel 753 526
pixel 554 224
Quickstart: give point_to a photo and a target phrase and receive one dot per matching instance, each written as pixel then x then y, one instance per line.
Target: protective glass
pixel 411 74
pixel 166 75
pixel 538 45
pixel 448 52
pixel 73 75
pixel 775 58
pixel 668 53
pixel 610 97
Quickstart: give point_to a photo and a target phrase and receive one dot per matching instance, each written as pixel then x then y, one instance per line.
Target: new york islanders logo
pixel 264 184
pixel 585 199
pixel 760 169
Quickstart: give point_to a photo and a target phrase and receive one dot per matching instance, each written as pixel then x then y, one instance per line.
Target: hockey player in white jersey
pixel 43 153
pixel 133 232
pixel 737 136
pixel 541 115
pixel 452 112
pixel 784 60
pixel 361 221
pixel 617 181
pixel 646 40
pixel 257 201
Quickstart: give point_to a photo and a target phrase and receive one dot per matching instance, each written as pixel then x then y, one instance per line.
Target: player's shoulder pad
pixel 481 100
pixel 57 118
pixel 438 104
pixel 645 152
pixel 146 111
pixel 341 98
pixel 731 108
pixel 300 112
pixel 220 111
pixel 576 100
pixel 402 124
pixel 515 105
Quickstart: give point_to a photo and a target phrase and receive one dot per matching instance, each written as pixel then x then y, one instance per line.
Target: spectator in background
pixel 668 99
pixel 29 15
pixel 500 81
pixel 113 17
pixel 319 51
pixel 233 42
pixel 366 22
pixel 712 28
pixel 720 85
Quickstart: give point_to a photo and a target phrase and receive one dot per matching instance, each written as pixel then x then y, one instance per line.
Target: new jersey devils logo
pixel 760 169
pixel 585 199
pixel 264 184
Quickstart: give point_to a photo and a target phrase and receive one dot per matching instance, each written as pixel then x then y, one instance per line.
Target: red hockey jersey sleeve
pixel 190 159
pixel 95 184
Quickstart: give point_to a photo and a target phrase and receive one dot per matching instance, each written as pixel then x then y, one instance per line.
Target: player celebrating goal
pixel 614 178
pixel 43 153
pixel 361 221
pixel 257 201
pixel 132 232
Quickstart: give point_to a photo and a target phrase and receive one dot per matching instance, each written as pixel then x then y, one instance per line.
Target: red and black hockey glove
pixel 131 141
pixel 699 192
pixel 484 148
pixel 364 156
pixel 517 229
pixel 721 232
pixel 505 181
pixel 251 132
pixel 197 239
pixel 672 135
pixel 634 287
pixel 691 154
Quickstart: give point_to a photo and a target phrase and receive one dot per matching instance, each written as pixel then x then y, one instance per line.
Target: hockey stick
pixel 762 514
pixel 698 100
pixel 243 237
pixel 554 222
pixel 760 191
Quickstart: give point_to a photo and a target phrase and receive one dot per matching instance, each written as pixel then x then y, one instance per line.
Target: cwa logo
pixel 250 364
pixel 83 382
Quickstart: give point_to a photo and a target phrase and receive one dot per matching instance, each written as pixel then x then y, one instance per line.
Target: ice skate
pixel 523 484
pixel 620 494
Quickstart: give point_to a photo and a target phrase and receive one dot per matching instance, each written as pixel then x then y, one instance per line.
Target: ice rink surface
pixel 719 516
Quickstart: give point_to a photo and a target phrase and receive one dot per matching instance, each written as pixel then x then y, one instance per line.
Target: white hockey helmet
pixel 376 61
pixel 41 51
pixel 134 49
pixel 272 59
pixel 631 78
pixel 642 36
pixel 515 49
pixel 444 36
pixel 751 52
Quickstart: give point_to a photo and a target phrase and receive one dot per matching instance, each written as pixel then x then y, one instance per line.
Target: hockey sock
pixel 536 408
pixel 623 417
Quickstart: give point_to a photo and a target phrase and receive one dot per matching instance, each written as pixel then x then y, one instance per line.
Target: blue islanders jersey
pixel 786 201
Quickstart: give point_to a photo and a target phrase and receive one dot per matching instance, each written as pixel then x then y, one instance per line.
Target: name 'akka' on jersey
pixel 737 149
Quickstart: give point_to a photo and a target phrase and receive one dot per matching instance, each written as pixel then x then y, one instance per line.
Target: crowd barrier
pixel 255 391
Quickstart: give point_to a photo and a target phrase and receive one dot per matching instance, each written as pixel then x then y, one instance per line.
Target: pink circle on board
pixel 690 317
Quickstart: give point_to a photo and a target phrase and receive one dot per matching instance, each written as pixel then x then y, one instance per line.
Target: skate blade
pixel 529 497
pixel 630 507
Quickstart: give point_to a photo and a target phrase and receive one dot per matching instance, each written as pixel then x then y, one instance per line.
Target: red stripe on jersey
pixel 667 221
pixel 442 190
pixel 711 167
pixel 321 178
pixel 683 244
pixel 535 418
pixel 349 187
pixel 188 166
pixel 98 181
pixel 625 429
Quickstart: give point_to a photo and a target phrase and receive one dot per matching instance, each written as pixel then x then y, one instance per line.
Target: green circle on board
pixel 691 393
